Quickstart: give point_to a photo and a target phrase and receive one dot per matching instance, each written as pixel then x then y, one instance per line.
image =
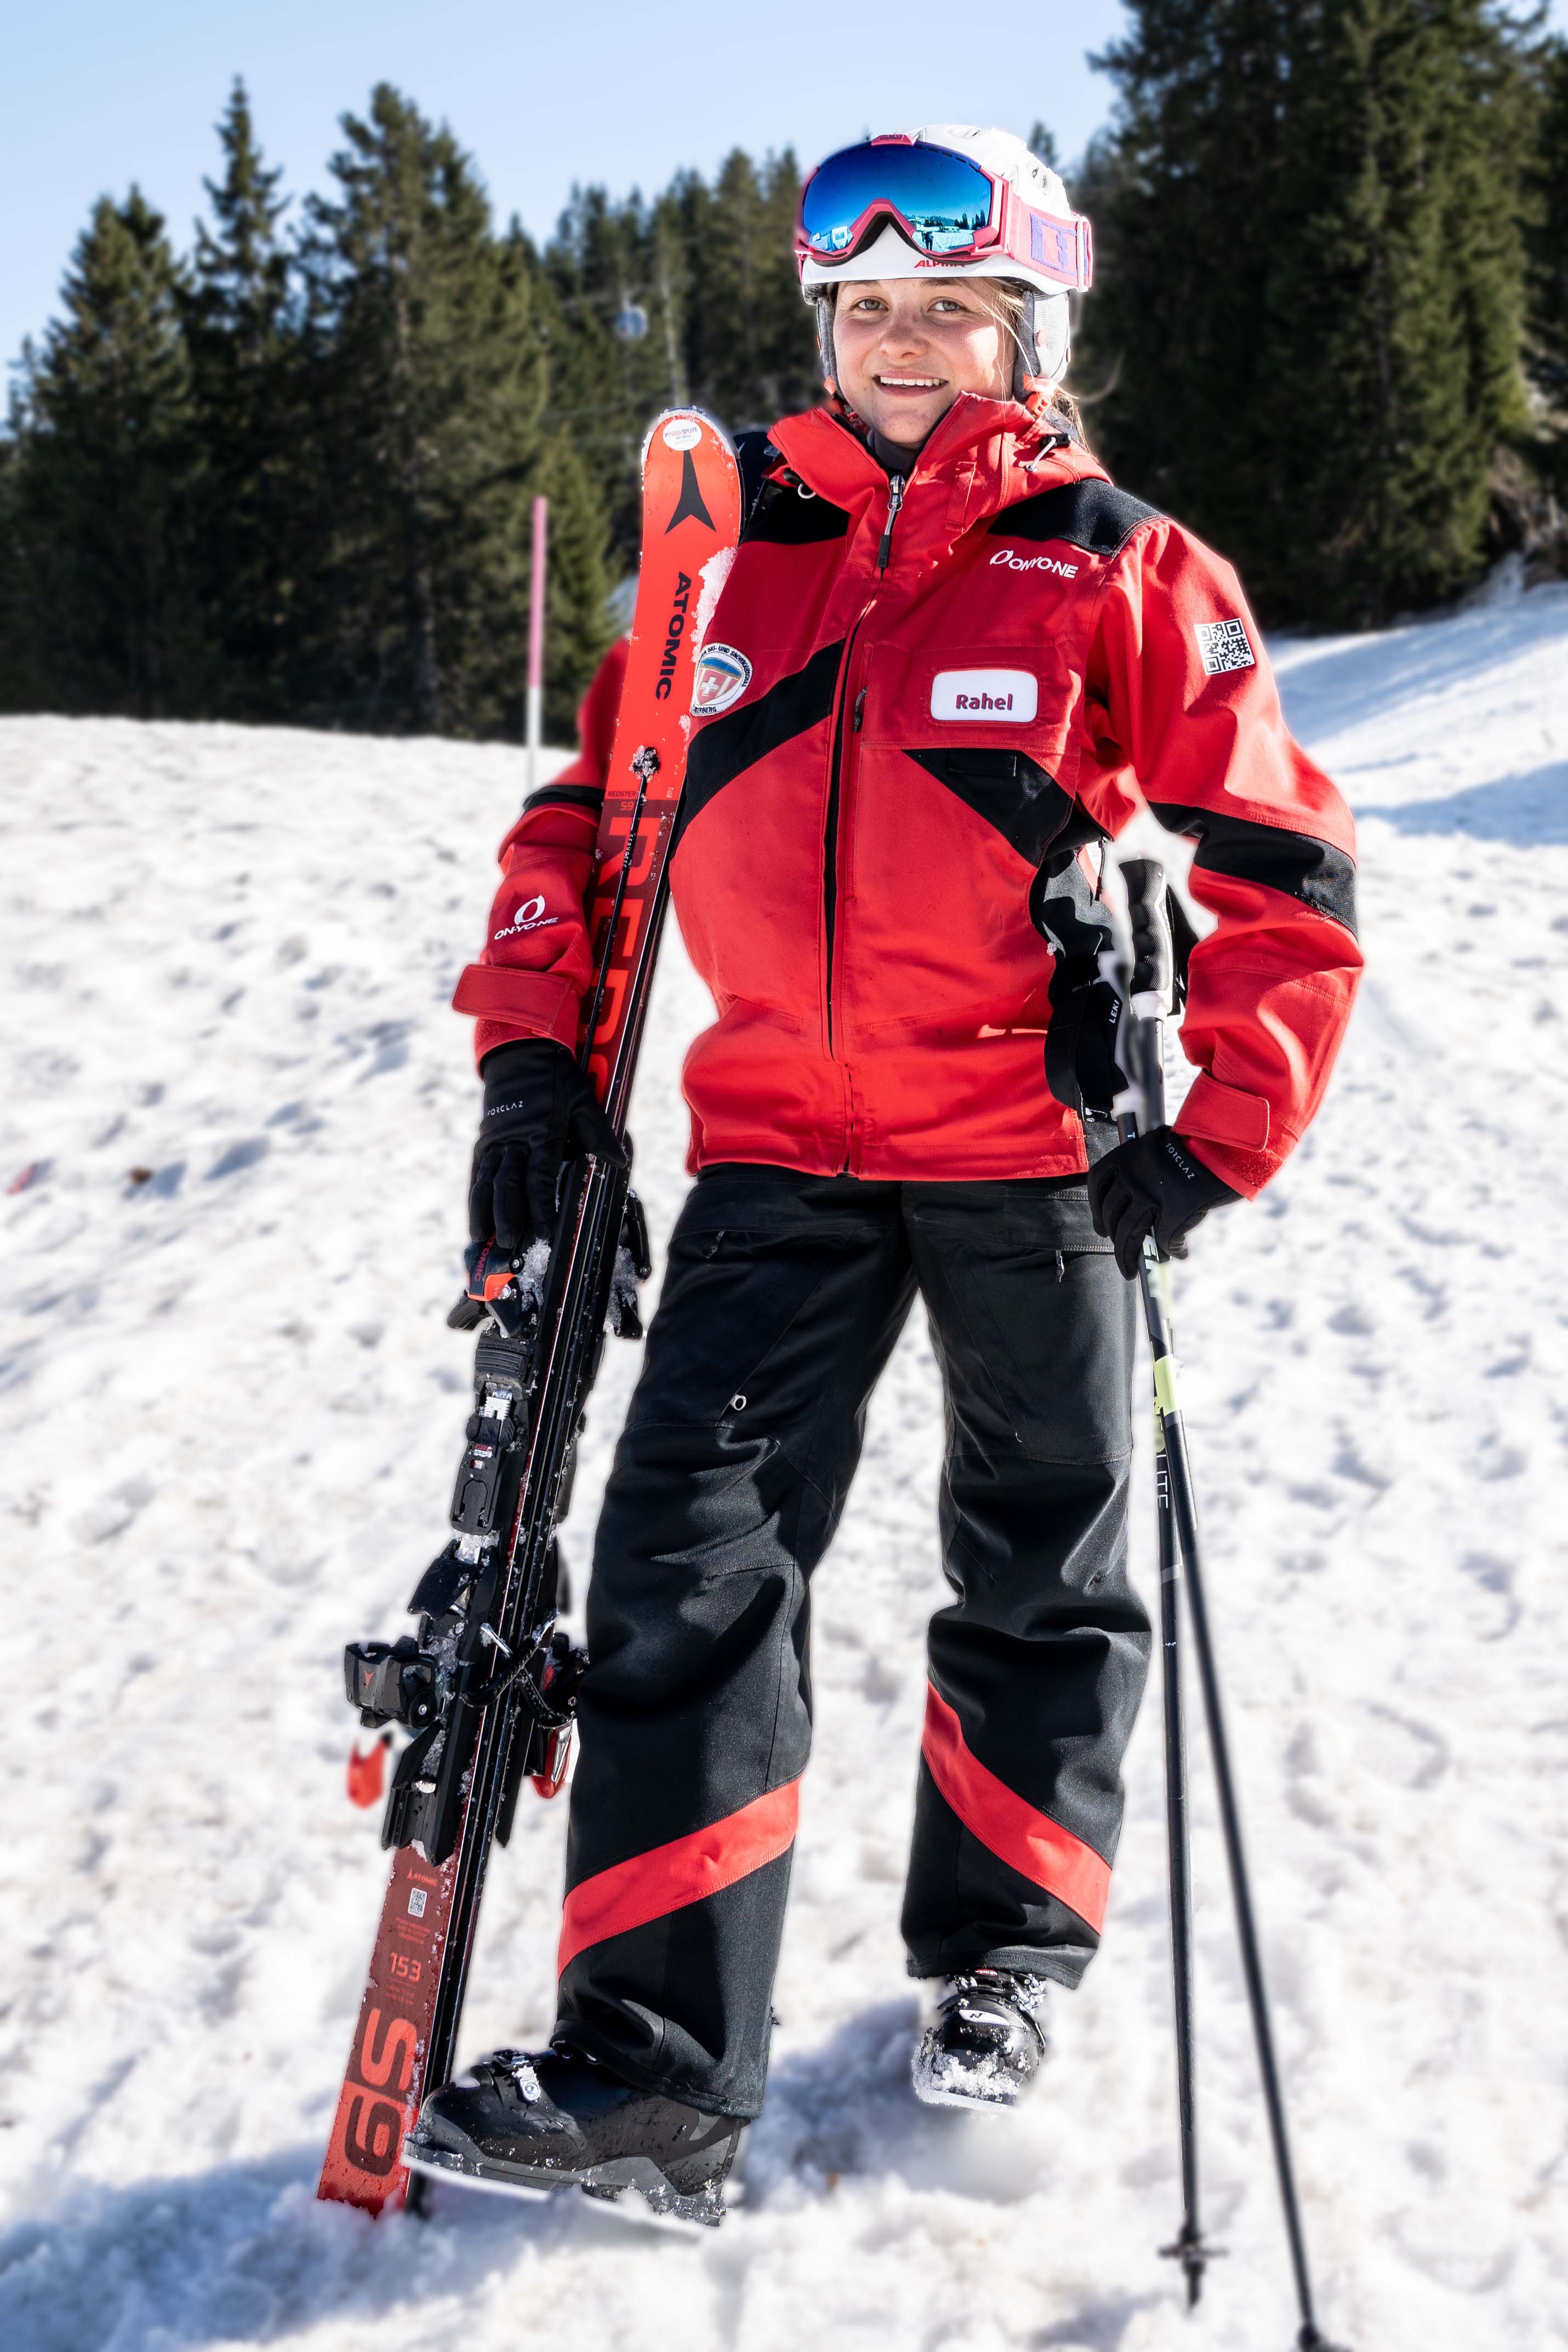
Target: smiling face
pixel 906 347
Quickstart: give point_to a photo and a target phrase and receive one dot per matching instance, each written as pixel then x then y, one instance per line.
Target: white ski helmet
pixel 1045 327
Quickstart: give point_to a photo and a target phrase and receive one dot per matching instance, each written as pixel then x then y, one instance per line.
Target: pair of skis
pixel 488 1684
pixel 1150 995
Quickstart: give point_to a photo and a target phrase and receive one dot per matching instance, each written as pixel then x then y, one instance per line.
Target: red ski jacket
pixel 915 724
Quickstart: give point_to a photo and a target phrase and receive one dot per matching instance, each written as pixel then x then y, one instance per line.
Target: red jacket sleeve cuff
pixel 525 1004
pixel 1231 1131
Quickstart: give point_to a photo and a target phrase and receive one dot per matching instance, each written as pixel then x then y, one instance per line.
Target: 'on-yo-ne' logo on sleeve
pixel 530 917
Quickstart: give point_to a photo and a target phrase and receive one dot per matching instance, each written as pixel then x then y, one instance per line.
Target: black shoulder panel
pixel 1094 516
pixel 1303 867
pixel 754 454
pixel 779 511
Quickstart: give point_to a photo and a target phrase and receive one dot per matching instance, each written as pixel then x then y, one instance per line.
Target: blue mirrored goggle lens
pixel 944 197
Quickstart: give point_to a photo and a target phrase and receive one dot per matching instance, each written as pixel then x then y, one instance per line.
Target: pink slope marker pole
pixel 537 637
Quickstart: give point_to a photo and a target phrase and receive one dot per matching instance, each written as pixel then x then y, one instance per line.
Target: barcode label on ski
pixel 416 1902
pixel 1224 645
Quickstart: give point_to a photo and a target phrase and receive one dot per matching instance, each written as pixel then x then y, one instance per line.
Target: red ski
pixel 488 1686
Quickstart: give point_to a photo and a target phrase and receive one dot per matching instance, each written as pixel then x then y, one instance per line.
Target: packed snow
pixel 235 1122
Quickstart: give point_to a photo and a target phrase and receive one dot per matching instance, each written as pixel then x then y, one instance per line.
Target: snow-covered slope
pixel 231 1412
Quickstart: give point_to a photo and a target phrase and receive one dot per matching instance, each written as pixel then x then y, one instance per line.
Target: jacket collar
pixel 984 454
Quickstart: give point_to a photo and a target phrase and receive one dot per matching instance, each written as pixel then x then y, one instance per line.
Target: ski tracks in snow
pixel 236 1114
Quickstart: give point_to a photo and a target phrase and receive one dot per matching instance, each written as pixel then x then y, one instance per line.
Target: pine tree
pixel 577 627
pixel 1185 228
pixel 432 377
pixel 712 272
pixel 1397 302
pixel 791 378
pixel 1313 289
pixel 1042 146
pixel 757 353
pixel 1095 187
pixel 252 420
pixel 101 487
pixel 611 266
pixel 1547 241
pixel 20 686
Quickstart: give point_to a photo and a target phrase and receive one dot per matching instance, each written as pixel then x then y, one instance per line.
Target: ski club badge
pixel 721 677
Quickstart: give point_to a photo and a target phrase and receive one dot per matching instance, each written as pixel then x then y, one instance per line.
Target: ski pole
pixel 1191 2248
pixel 1150 1001
pixel 1151 997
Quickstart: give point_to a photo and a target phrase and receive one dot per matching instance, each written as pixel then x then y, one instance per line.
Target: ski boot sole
pixel 976 2101
pixel 437 2166
pixel 702 2210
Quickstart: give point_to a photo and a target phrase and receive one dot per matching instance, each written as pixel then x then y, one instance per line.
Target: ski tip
pixel 681 429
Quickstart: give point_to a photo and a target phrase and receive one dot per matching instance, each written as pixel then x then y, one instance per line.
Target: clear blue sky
pixel 98 93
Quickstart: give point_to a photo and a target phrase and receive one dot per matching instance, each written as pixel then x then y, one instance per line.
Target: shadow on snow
pixel 241 2253
pixel 1527 811
pixel 1327 687
pixel 244 2253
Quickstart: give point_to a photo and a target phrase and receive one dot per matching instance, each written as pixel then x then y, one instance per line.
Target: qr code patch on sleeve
pixel 1224 645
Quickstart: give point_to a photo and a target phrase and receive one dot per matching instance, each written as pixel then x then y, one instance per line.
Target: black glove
pixel 540 1111
pixel 1152 1185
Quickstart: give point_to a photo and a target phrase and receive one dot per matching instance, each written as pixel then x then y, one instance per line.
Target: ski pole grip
pixel 1153 986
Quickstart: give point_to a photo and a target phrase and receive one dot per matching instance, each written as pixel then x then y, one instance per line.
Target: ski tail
pixel 383 2086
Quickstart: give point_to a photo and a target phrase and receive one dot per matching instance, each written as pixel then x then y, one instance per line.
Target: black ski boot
pixel 558 2120
pixel 984 2048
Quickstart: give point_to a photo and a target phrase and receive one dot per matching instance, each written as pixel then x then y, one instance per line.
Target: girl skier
pixel 950 661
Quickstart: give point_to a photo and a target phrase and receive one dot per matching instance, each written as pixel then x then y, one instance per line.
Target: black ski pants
pixel 782 1299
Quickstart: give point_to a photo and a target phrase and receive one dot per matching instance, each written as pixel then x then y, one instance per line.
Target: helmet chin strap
pixel 1040 361
pixel 822 304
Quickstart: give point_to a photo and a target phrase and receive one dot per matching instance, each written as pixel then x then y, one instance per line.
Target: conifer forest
pixel 285 474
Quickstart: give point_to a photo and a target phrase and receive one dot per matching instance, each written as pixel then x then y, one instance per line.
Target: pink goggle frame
pixel 1062 247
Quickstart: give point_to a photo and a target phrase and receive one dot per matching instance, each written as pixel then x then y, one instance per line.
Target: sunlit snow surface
pixel 232 1414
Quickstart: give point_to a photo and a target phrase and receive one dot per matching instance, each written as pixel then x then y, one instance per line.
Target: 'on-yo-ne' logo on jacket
pixel 1011 562
pixel 530 917
pixel 993 695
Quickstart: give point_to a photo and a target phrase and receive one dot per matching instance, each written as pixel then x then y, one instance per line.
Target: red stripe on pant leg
pixel 1028 1842
pixel 669 1876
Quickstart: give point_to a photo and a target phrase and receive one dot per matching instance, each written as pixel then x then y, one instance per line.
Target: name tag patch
pixel 991 695
pixel 1224 645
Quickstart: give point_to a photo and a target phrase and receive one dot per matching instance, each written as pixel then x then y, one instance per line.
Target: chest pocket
pixel 1015 694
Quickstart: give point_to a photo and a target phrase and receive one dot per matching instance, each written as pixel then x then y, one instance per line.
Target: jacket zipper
pixel 895 501
pixel 830 844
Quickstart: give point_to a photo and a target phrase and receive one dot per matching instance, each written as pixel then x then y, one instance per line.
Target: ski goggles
pixel 946 206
